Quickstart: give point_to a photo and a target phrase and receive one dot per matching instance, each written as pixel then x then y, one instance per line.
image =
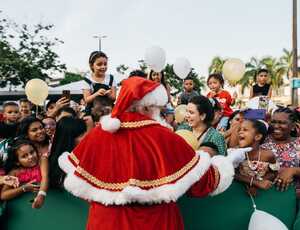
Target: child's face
pixel 262 78
pixel 156 76
pixel 25 108
pixel 248 135
pixel 11 113
pixel 188 85
pixel 36 132
pixel 214 84
pixel 99 67
pixel 27 156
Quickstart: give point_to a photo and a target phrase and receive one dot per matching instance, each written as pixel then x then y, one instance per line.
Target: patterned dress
pixel 287 154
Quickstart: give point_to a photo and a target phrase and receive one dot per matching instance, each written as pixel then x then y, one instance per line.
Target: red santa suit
pixel 133 170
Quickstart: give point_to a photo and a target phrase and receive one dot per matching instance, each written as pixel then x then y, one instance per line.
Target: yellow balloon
pixel 36 91
pixel 233 70
pixel 180 112
pixel 189 137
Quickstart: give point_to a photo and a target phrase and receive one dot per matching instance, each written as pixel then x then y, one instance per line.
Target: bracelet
pixel 251 181
pixel 42 193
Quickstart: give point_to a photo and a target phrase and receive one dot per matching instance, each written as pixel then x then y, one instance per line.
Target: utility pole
pixel 295 55
pixel 99 37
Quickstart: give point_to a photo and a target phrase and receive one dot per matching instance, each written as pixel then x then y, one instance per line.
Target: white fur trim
pixel 158 97
pixel 165 193
pixel 226 171
pixel 110 124
pixel 65 164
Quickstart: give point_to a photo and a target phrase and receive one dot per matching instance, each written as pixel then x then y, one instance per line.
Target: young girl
pixel 100 83
pixel 256 169
pixel 160 78
pixel 31 170
pixel 261 88
pixel 215 83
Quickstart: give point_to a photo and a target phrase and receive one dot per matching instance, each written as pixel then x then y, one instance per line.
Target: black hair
pixel 137 73
pixel 12 157
pixel 262 71
pixel 67 130
pixel 290 112
pixel 67 110
pixel 50 102
pixel 10 103
pixel 260 128
pixel 24 100
pixel 95 55
pixel 204 106
pixel 216 104
pixel 162 79
pixel 210 145
pixel 188 78
pixel 218 77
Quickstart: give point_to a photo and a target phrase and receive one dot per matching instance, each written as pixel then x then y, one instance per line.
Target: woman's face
pixel 193 116
pixel 27 156
pixel 50 126
pixel 156 76
pixel 281 126
pixel 99 67
pixel 236 120
pixel 36 132
pixel 247 135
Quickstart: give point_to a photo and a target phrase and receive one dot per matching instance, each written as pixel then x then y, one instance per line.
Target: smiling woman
pixel 200 114
pixel 284 147
pixel 33 129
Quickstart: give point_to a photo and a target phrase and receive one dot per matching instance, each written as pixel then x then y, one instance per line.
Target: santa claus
pixel 132 169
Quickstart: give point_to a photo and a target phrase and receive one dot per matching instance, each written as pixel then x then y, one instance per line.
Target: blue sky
pixel 196 29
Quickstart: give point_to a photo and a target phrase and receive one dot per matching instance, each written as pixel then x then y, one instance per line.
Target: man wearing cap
pixel 132 169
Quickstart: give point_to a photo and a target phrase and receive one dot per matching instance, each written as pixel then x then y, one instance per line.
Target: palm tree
pixel 287 60
pixel 216 65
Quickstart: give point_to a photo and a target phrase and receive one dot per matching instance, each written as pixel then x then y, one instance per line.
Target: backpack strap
pixel 111 80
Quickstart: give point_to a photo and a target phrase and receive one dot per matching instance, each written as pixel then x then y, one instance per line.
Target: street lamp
pixel 99 37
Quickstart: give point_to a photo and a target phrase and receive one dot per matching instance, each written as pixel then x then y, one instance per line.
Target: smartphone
pixel 66 94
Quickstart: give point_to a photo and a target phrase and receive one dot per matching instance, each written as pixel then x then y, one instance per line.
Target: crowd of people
pixel 32 142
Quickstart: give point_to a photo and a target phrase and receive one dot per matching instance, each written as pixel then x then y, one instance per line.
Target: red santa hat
pixel 134 91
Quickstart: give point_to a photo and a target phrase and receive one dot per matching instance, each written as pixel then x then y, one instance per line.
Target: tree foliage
pixel 26 52
pixel 71 77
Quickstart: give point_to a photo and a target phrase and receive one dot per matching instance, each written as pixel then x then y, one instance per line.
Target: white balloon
pixel 36 91
pixel 261 220
pixel 155 58
pixel 182 67
pixel 233 70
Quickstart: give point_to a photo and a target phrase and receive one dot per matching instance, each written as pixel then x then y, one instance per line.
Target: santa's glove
pixel 237 155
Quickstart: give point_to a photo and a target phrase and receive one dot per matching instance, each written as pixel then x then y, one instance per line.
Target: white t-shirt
pixel 106 82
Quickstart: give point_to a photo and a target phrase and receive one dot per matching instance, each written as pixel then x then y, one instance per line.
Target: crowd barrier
pixel 230 210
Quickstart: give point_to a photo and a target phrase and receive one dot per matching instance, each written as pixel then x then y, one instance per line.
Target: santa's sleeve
pixel 216 179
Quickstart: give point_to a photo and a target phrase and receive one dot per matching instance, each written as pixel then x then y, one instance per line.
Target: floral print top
pixel 287 154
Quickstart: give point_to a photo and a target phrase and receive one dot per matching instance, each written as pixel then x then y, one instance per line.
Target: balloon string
pixel 253 202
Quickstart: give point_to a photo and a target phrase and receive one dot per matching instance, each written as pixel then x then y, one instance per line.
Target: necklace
pixel 253 165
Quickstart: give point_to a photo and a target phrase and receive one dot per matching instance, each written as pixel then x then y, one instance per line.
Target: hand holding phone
pixel 66 94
